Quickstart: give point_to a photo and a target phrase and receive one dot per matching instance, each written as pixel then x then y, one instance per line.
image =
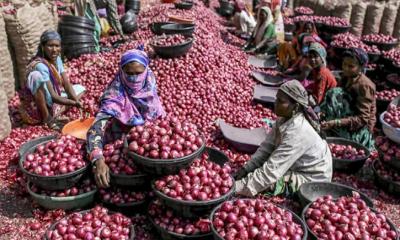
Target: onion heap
pixel 389 149
pixel 346 151
pixel 56 157
pixel 117 160
pixel 304 10
pixel 303 18
pixel 393 55
pixel 202 181
pixel 97 223
pixel 121 196
pixel 392 116
pixel 348 40
pixel 387 95
pixel 346 218
pixel 170 40
pixel 165 139
pixel 255 219
pixel 166 219
pixel 333 21
pixel 85 186
pixel 379 38
pixel 387 173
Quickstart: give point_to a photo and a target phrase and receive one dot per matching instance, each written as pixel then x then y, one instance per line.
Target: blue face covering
pixel 131 78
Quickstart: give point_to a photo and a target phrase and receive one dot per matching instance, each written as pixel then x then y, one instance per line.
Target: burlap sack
pixel 6 66
pixel 343 11
pixel 319 10
pixel 24 30
pixel 389 19
pixel 396 30
pixel 358 13
pixel 373 17
pixel 5 122
pixel 49 18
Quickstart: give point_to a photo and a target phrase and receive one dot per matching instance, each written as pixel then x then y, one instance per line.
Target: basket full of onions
pixel 255 219
pixel 123 200
pixel 164 146
pixel 195 191
pixel 384 42
pixel 346 218
pixel 96 223
pixel 390 121
pixel 348 156
pixel 79 196
pixel 123 171
pixel 171 46
pixel 54 164
pixel 386 178
pixel 171 226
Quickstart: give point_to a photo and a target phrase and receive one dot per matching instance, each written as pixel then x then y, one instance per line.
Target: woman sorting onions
pixel 48 91
pixel 129 100
pixel 350 110
pixel 243 19
pixel 293 153
pixel 263 39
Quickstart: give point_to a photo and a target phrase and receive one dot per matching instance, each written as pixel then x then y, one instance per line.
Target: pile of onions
pixel 165 139
pixel 170 40
pixel 387 95
pixel 304 10
pixel 56 157
pixel 346 151
pixel 121 196
pixel 166 219
pixel 85 186
pixel 387 173
pixel 97 223
pixel 379 38
pixel 348 40
pixel 303 18
pixel 202 181
pixel 117 160
pixel 255 219
pixel 392 116
pixel 393 55
pixel 333 21
pixel 388 148
pixel 346 218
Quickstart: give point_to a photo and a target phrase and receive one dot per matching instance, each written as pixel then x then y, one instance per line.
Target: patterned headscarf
pixel 295 90
pixel 260 28
pixel 318 48
pixel 132 103
pixel 360 55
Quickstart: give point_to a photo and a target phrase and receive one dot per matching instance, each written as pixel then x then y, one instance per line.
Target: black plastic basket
pixel 59 182
pixel 309 192
pixel 185 29
pixel 346 165
pixel 77 39
pixel 333 30
pixel 155 27
pixel 374 57
pixel 124 180
pixel 383 46
pixel 173 51
pixel 68 31
pixel 52 226
pixel 74 53
pixel 67 203
pixel 161 167
pixel 387 185
pixel 296 218
pixel 193 209
pixel 76 19
pixel 128 208
pixel 167 235
pixel 184 5
pixel 313 237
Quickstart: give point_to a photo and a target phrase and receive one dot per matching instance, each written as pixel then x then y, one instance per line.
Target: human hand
pixel 101 173
pixel 328 125
pixel 241 173
pixel 78 104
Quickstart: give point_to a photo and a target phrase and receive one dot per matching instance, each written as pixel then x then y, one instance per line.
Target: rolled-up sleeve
pixel 262 153
pixel 280 161
pixel 365 99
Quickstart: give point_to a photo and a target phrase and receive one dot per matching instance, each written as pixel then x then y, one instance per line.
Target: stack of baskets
pixel 77 35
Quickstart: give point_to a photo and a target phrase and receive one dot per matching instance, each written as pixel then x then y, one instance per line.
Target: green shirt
pixel 270 32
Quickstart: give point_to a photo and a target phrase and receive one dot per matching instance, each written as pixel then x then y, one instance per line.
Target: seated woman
pixel 243 20
pixel 263 39
pixel 321 78
pixel 129 100
pixel 48 91
pixel 293 152
pixel 350 111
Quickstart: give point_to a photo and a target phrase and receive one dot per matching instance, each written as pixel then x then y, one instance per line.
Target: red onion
pixel 346 151
pixel 121 196
pixel 117 160
pixel 85 186
pixel 387 95
pixel 379 38
pixel 170 40
pixel 304 10
pixel 392 116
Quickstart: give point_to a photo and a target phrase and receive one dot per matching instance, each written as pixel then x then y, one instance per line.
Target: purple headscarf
pixel 132 103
